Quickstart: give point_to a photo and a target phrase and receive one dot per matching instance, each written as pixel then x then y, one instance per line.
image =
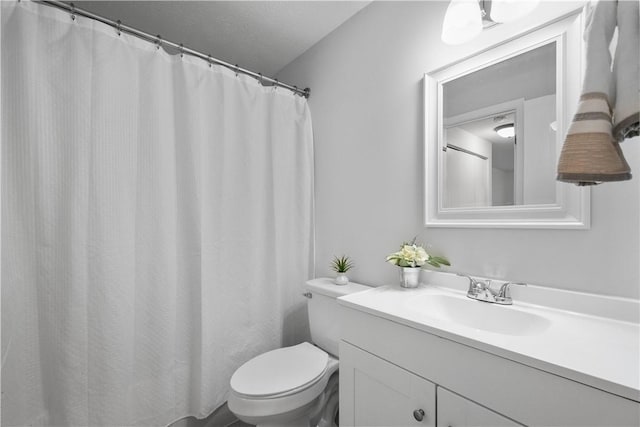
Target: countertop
pixel 598 351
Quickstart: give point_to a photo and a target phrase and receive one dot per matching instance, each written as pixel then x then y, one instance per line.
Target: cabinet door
pixel 374 392
pixel 456 411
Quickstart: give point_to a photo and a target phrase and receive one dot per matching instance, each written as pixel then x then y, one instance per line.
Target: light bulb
pixel 510 10
pixel 462 22
pixel 506 131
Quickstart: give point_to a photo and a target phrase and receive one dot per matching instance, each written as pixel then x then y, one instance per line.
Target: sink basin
pixel 478 315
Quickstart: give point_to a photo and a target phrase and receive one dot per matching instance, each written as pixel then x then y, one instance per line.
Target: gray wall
pixel 367 108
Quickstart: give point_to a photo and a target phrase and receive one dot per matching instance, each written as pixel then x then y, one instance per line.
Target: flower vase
pixel 409 277
pixel 341 279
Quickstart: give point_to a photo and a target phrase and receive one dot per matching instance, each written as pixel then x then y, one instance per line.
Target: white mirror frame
pixel 572 206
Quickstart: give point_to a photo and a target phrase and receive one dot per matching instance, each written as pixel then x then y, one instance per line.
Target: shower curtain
pixel 156 224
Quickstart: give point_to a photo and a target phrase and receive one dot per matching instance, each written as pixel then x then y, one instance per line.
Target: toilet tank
pixel 322 306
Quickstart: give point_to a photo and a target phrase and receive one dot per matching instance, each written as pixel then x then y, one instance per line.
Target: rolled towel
pixel 626 70
pixel 590 154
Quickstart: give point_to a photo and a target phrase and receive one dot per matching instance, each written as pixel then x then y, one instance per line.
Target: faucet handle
pixel 473 283
pixel 477 285
pixel 504 289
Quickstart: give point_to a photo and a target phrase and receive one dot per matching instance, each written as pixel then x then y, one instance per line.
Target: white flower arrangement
pixel 414 255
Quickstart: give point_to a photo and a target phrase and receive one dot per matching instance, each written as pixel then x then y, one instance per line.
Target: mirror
pixel 491 116
pixel 494 128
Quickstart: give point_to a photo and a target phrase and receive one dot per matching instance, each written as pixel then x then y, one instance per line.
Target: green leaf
pixel 341 264
pixel 440 260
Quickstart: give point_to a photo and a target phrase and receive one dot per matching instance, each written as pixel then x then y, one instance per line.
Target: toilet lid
pixel 279 371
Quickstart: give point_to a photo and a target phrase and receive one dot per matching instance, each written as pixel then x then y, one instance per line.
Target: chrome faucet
pixel 481 290
pixel 504 296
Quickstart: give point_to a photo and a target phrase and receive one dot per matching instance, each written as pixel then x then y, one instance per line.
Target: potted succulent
pixel 410 258
pixel 341 265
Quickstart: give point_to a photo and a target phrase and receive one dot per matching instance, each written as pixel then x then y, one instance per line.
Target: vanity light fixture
pixel 465 19
pixel 506 131
pixel 462 22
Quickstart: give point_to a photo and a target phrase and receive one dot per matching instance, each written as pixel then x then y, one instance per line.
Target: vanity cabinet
pixel 375 392
pixel 389 369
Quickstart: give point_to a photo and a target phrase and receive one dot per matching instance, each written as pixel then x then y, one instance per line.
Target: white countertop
pixel 598 351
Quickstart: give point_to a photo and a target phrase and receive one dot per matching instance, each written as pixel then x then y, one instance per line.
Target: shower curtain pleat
pixel 156 224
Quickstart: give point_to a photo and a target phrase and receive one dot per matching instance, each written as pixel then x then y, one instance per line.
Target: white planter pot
pixel 341 279
pixel 410 277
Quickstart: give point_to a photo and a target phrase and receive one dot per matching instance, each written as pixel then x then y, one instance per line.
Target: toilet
pixel 298 385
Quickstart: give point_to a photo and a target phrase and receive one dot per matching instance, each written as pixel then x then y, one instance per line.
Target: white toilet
pixel 296 386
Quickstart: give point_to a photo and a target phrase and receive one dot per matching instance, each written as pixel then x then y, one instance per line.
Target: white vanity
pixel 431 356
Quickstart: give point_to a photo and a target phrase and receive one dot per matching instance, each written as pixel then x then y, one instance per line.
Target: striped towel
pixel 591 154
pixel 626 69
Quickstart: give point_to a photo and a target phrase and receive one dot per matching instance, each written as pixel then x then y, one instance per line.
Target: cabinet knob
pixel 418 414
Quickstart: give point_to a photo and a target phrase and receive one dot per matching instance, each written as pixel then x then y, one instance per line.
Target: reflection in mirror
pixel 479 166
pixel 499 142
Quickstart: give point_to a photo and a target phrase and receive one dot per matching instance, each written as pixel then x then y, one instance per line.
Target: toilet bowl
pixel 291 386
pixel 297 385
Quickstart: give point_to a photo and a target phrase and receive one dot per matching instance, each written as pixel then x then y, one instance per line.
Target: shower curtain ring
pixel 119 27
pixel 73 11
pixel 237 70
pixel 158 41
pixel 275 85
pixel 209 60
pixel 181 50
pixel 261 79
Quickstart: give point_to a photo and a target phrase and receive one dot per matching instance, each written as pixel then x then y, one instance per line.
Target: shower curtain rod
pixel 120 27
pixel 464 150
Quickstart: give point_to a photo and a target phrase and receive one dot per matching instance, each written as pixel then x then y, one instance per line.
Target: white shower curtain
pixel 156 224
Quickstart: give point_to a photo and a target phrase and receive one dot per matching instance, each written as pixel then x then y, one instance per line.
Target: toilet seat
pixel 280 372
pixel 287 396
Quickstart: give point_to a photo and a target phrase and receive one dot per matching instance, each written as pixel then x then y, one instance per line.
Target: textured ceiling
pixel 263 36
